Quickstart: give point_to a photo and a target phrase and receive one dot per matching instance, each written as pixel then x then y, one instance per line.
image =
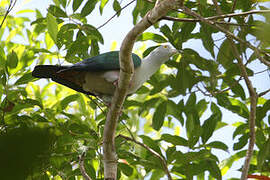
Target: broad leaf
pixel 159 116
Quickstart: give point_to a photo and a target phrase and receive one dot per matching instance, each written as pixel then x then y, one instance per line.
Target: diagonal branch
pixel 229 34
pixel 169 18
pixel 162 160
pixel 102 25
pixel 221 16
pixel 126 71
pixel 81 166
pixel 10 7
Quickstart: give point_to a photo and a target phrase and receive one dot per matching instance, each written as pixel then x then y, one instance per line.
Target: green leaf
pixel 157 174
pixel 166 31
pixel 102 5
pixel 223 100
pixel 225 54
pixel 88 7
pixel 226 164
pixel 149 50
pixel 152 36
pixel 191 100
pixel 126 169
pixel 218 145
pixel 241 129
pixel 151 143
pixel 56 11
pixel 92 32
pixel 32 102
pixel 116 7
pixel 76 4
pixel 209 127
pixel 214 170
pixel 63 3
pixel 186 30
pixel 68 99
pixel 193 128
pixel 12 60
pixel 206 36
pixel 159 116
pixel 201 107
pixel 263 154
pixel 52 27
pixel 24 79
pixel 175 140
pixel 236 88
pixel 2 57
pixel 241 142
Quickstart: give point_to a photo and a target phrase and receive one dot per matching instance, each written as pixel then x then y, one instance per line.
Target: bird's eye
pixel 165 46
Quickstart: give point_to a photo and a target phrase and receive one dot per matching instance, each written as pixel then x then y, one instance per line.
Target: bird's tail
pixel 61 75
pixel 47 71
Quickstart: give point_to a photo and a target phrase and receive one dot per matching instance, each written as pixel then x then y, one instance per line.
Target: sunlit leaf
pixel 12 60
pixel 151 36
pixel 68 99
pixel 102 5
pixel 52 26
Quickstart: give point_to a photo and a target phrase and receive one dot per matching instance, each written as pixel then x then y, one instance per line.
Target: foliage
pixel 193 95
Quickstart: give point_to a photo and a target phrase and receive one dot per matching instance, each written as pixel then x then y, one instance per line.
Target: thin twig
pixel 169 18
pixel 218 10
pixel 161 158
pixel 257 51
pixel 252 114
pixel 115 14
pixel 221 16
pixel 233 7
pixel 129 131
pixel 81 165
pixel 263 93
pixel 10 7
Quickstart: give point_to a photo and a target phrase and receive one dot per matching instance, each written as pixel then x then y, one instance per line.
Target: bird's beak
pixel 180 51
pixel 177 51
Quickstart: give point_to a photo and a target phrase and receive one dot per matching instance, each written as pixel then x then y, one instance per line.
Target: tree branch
pixel 10 7
pixel 252 114
pixel 102 25
pixel 229 34
pixel 126 72
pixel 220 16
pixel 82 169
pixel 169 18
pixel 253 99
pixel 263 93
pixel 162 160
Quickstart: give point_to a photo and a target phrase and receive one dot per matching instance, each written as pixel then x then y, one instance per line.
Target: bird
pixel 98 76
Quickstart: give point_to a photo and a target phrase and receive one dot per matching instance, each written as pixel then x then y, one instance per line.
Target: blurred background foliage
pixel 45 127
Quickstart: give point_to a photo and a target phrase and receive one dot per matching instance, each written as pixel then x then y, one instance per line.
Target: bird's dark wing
pixel 72 79
pixel 103 62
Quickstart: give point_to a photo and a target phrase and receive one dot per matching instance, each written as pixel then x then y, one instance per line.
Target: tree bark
pixel 126 71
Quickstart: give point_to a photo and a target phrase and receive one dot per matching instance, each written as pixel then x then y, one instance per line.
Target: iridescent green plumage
pixel 104 62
